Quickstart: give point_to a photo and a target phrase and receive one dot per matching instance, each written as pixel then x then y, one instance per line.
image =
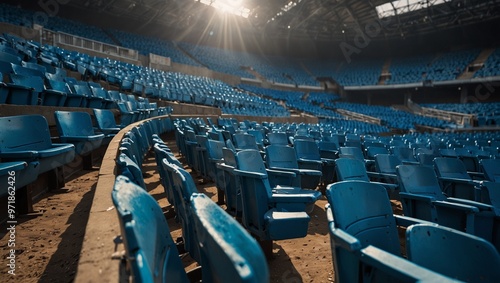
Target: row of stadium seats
pixel 229 145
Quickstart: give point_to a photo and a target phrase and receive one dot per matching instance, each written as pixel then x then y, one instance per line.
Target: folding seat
pixel 26 71
pixel 6 61
pixel 214 156
pixel 454 179
pixel 57 93
pixel 217 230
pixel 385 167
pixel 106 122
pixel 77 128
pixel 372 151
pixel 27 138
pixel 435 247
pixel 491 169
pixel 129 168
pixel 348 169
pixel 228 186
pixel 92 101
pixel 257 175
pixel 100 92
pixel 264 216
pixel 139 214
pixel 184 188
pixel 405 154
pixel 426 159
pixel 284 158
pixel 245 141
pixel 309 157
pixel 277 138
pixel 364 237
pixel 352 152
pixel 422 197
pixel 21 91
pixel 24 174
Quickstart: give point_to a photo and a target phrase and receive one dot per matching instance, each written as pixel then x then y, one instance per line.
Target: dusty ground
pixel 48 243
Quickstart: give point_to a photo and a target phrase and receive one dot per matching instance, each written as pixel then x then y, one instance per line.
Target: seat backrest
pixel 245 141
pixel 418 179
pixel 58 85
pixel 24 132
pixel 353 151
pixel 451 168
pixel 453 253
pixel 491 169
pixel 146 235
pixel 28 81
pixel 215 149
pixel 184 187
pixel 350 169
pixel 447 152
pixel 404 153
pixel 130 169
pixel 20 70
pixel 229 252
pixel 306 149
pixel 364 211
pixel 83 90
pixel 277 138
pixel 373 151
pixel 254 191
pixel 74 124
pixel 281 156
pixel 104 118
pixel 491 194
pixel 386 163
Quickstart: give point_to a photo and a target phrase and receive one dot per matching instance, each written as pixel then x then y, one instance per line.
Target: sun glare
pixel 234 7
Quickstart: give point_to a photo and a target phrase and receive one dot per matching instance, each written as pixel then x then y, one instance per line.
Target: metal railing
pixel 96 46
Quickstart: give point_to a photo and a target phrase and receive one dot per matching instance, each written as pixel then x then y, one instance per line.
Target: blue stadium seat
pixel 106 122
pixel 436 248
pixel 150 249
pixel 128 168
pixel 491 169
pixel 353 169
pixel 21 92
pixel 77 128
pixel 228 252
pixel 364 237
pixel 422 197
pixel 27 138
pixel 284 158
pixel 254 176
pixel 24 174
pixel 455 181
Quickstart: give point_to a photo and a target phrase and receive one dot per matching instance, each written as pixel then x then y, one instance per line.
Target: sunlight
pixel 234 7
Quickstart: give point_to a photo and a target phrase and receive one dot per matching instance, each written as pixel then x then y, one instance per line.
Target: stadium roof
pixel 304 19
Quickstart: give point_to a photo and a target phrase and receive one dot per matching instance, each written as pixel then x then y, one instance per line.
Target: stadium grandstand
pixel 250 141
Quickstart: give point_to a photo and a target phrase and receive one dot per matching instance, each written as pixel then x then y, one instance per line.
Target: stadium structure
pixel 108 83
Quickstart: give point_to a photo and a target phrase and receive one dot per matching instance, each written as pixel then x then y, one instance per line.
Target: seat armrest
pixel 31 154
pixel 343 239
pixel 249 174
pixel 406 221
pixel 281 173
pixel 399 267
pixel 461 181
pixel 416 197
pixel 479 205
pixel 457 206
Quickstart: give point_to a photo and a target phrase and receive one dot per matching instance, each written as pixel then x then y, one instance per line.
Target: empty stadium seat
pixel 228 252
pixel 435 247
pixel 77 128
pixel 27 138
pixel 155 256
pixel 364 238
